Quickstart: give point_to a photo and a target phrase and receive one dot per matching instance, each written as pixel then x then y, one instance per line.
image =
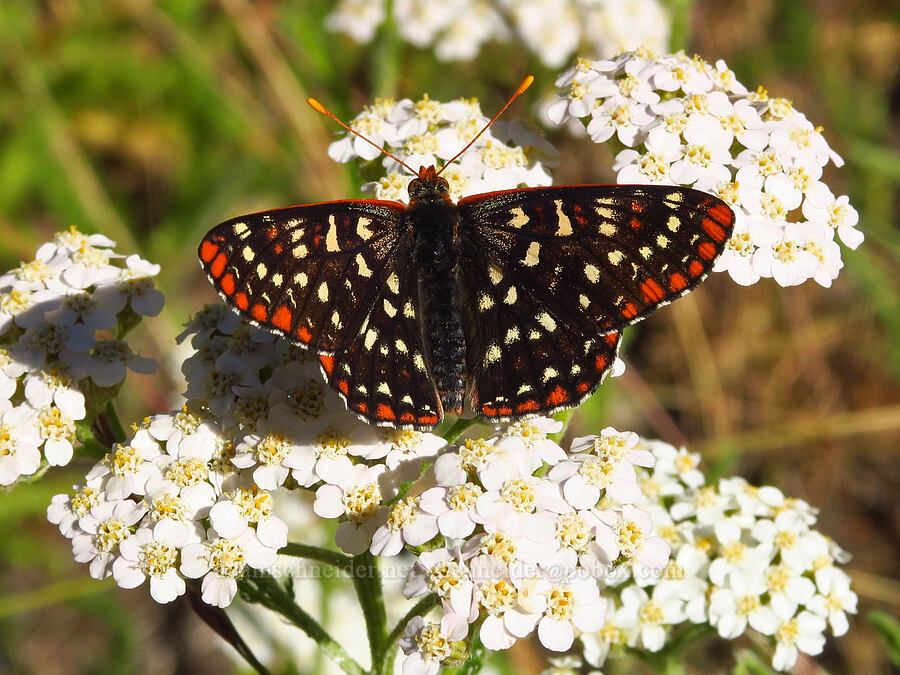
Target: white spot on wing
pixel 564 225
pixel 331 241
pixel 518 217
pixel 364 270
pixel 592 273
pixel 532 255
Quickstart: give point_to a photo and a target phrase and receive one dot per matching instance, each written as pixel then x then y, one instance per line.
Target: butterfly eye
pixel 414 187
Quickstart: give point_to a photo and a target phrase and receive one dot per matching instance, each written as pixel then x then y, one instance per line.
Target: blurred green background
pixel 152 121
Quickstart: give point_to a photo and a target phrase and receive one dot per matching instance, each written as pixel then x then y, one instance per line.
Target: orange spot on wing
pixel 226 283
pixel 218 265
pixel 601 362
pixel 242 301
pixel 706 250
pixel 715 231
pixel 582 387
pixel 695 269
pixel 259 312
pixel 427 419
pixel 407 418
pixel 558 396
pixel 384 412
pixel 652 291
pixel 362 407
pixel 677 281
pixel 327 364
pixel 504 410
pixel 282 318
pixel 638 207
pixel 636 223
pixel 278 248
pixel 528 406
pixel 629 311
pixel 612 338
pixel 721 213
pixel 303 334
pixel 208 251
pixel 343 387
pixel 489 411
pixel 272 232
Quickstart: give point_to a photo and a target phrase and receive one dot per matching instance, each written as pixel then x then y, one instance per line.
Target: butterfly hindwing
pixel 310 273
pixel 599 257
pixel 382 375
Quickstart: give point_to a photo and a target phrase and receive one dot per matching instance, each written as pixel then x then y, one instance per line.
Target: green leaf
pixel 889 628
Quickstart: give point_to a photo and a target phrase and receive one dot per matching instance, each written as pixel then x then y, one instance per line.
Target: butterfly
pixel 511 303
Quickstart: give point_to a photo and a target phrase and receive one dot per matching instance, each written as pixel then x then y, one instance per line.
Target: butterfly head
pixel 428 186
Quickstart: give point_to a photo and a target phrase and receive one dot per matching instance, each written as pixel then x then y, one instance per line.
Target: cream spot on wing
pixel 492 355
pixel 409 311
pixel 518 218
pixel 607 229
pixel 300 251
pixel 323 292
pixel 239 228
pixel 277 279
pixel 362 229
pixel 662 241
pixel 548 374
pixel 369 340
pixel 262 270
pixel 511 296
pixel 495 273
pixel 400 346
pixel 615 257
pixel 592 273
pixel 564 225
pixel 676 197
pixel 248 254
pixel 524 389
pixel 485 302
pixel 383 388
pixel 419 362
pixel 547 321
pixel 364 270
pixel 576 369
pixel 297 234
pixel 584 301
pixel 336 319
pixel 301 279
pixel 393 283
pixel 406 398
pixel 534 334
pixel 532 255
pixel 512 335
pixel 331 241
pixel 674 223
pixel 645 252
pixel 389 309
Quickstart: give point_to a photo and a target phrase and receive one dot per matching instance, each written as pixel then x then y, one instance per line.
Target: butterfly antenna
pixel 516 94
pixel 319 108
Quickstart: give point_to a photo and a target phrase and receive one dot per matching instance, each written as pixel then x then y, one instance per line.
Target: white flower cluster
pixel 552 29
pixel 531 533
pixel 683 121
pixel 59 316
pixel 742 556
pixel 426 132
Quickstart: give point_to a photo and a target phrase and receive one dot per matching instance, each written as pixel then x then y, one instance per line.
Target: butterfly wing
pixel 310 273
pixel 599 257
pixel 552 275
pixel 385 362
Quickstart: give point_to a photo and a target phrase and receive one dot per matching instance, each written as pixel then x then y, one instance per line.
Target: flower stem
pixel 458 428
pixel 323 555
pixel 113 417
pixel 367 581
pixel 263 589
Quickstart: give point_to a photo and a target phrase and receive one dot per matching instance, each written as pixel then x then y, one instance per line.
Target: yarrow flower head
pixel 743 557
pixel 426 133
pixel 59 314
pixel 683 121
pixel 552 29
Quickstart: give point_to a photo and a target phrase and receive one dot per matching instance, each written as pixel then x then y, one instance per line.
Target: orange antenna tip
pixel 525 84
pixel 315 105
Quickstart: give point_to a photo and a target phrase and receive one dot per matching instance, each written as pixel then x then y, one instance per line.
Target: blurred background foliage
pixel 151 121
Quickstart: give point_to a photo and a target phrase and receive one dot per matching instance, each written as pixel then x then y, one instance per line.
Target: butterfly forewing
pixel 382 375
pixel 599 257
pixel 311 273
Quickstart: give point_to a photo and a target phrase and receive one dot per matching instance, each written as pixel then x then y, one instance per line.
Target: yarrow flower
pixel 426 132
pixel 743 557
pixel 552 29
pixel 683 121
pixel 57 315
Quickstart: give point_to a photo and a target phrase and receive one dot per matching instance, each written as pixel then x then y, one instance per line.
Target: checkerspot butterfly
pixel 510 301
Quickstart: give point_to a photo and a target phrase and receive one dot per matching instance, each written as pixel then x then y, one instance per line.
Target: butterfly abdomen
pixel 434 223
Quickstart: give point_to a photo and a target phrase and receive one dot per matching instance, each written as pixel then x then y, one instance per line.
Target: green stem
pixel 367 581
pixel 565 417
pixel 459 427
pixel 115 422
pixel 386 56
pixel 263 589
pixel 681 23
pixel 340 560
pixel 421 608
